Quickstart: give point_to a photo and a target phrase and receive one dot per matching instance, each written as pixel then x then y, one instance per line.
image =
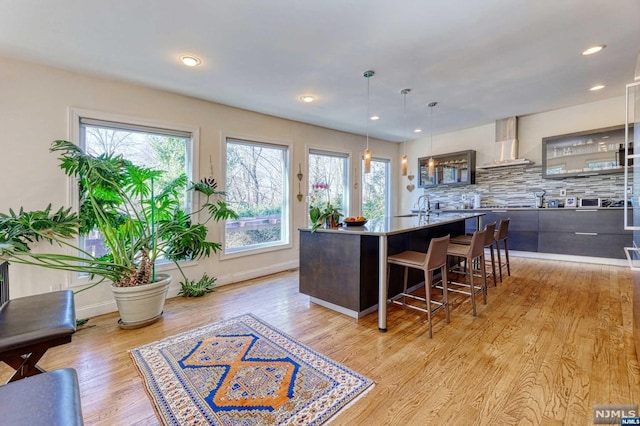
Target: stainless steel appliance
pixel 539 198
pixel 589 202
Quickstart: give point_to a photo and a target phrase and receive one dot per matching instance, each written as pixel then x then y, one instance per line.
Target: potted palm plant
pixel 139 224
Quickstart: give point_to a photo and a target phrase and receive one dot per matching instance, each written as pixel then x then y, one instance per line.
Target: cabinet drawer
pixel 522 240
pixel 584 244
pixel 583 220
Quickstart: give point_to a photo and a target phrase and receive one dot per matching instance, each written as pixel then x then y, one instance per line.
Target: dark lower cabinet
pixel 340 269
pixel 523 227
pixel 584 244
pixel 584 232
pixel 578 232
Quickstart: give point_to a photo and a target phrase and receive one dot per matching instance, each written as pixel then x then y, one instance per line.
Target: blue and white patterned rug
pixel 242 371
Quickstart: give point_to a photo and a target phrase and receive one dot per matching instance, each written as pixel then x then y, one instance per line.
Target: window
pixel 375 189
pixel 257 189
pixel 329 179
pixel 165 149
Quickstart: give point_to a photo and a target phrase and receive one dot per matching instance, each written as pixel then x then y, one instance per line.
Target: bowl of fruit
pixel 355 220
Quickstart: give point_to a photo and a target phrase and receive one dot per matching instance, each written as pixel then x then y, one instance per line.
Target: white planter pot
pixel 141 305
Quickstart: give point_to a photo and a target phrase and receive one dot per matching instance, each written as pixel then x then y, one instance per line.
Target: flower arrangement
pixel 321 211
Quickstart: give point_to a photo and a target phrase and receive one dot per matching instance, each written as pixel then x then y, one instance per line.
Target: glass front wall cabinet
pixel 585 153
pixel 457 168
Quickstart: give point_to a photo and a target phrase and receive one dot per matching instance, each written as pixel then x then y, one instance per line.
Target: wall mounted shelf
pixel 457 168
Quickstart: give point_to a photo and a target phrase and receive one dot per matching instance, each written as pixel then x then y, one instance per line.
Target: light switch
pixel 563 192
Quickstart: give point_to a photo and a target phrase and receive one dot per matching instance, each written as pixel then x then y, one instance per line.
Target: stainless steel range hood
pixel 506 145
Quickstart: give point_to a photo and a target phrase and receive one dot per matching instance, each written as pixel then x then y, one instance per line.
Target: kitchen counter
pixel 345 269
pixel 405 223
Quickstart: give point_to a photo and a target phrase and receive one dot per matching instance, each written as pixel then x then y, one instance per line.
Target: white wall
pixel 531 129
pixel 35 102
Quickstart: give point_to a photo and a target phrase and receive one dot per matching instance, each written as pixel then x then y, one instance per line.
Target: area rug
pixel 242 371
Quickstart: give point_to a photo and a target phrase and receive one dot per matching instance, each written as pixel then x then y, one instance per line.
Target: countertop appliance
pixel 540 198
pixel 589 202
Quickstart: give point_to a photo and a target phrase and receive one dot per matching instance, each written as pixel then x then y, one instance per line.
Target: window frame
pixel 74 133
pixel 387 204
pixel 332 152
pixel 286 221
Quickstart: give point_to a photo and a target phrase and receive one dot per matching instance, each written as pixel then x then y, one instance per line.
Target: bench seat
pixel 49 399
pixel 31 325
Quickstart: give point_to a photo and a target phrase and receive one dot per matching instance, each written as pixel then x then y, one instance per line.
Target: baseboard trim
pixel 569 258
pixel 107 307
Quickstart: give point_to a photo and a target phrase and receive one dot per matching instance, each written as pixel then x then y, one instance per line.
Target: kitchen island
pixel 345 268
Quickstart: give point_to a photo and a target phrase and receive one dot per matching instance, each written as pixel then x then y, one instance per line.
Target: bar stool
pixel 435 258
pixel 488 244
pixel 501 236
pixel 470 253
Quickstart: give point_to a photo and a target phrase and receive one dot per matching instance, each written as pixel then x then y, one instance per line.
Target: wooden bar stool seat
pixel 435 258
pixel 488 245
pixel 469 254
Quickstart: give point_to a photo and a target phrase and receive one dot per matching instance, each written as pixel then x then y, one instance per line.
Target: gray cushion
pixel 47 399
pixel 33 319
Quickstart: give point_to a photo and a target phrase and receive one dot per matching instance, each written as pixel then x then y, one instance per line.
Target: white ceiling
pixel 480 59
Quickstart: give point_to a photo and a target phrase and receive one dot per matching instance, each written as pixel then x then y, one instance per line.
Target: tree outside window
pixel 375 190
pixel 257 188
pixel 328 180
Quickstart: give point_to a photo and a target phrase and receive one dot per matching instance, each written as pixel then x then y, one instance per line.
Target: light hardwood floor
pixel 553 341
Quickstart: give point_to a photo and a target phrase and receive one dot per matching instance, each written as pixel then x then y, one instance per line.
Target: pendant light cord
pixel 368 75
pixel 431 106
pixel 432 164
pixel 404 130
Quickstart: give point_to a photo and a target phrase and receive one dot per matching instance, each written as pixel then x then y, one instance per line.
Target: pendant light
pixel 432 163
pixel 367 152
pixel 404 160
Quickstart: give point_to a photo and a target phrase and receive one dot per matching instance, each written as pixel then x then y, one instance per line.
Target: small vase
pixel 330 222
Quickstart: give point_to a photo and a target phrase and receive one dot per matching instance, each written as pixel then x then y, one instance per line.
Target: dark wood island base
pixel 344 269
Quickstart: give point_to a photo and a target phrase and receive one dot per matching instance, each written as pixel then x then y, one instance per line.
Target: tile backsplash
pixel 515 186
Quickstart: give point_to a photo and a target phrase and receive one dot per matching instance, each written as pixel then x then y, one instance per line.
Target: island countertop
pixel 391 225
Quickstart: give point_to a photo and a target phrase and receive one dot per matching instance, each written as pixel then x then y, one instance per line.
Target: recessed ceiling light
pixel 375 117
pixel 597 87
pixel 190 61
pixel 307 98
pixel 417 131
pixel 593 49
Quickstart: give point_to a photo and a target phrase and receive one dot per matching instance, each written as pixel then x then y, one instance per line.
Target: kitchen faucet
pixel 423 209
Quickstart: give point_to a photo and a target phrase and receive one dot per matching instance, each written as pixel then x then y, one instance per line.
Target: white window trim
pixel 288 194
pixel 352 179
pixel 72 281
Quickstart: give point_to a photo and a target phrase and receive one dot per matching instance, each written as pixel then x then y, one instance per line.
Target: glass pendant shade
pixel 403 164
pixel 367 160
pixel 432 163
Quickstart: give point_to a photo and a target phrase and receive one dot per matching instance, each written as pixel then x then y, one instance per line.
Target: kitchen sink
pixel 407 215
